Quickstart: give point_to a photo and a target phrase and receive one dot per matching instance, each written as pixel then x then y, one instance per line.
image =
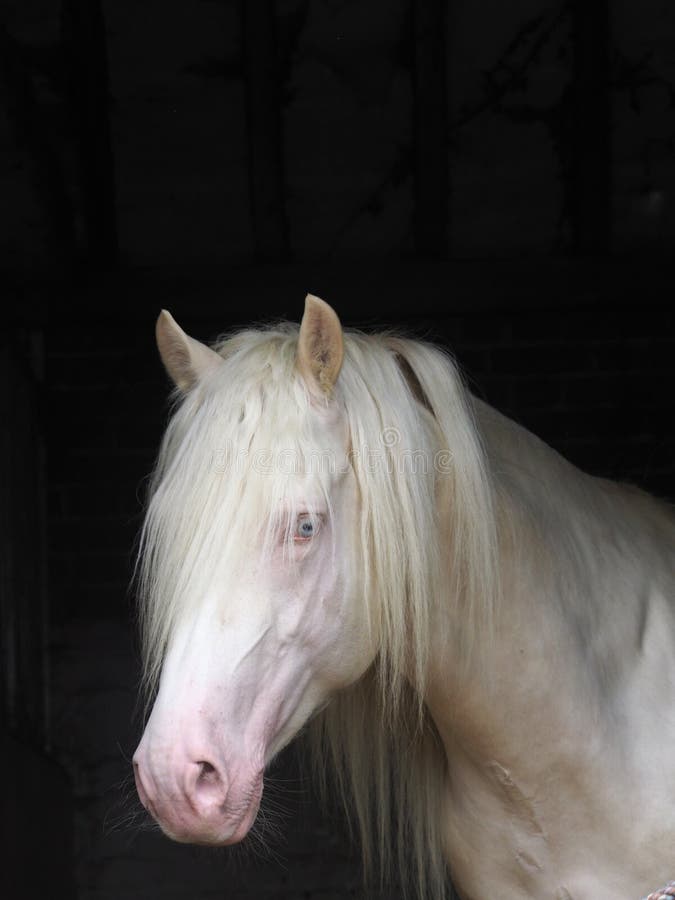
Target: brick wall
pixel 595 384
pixel 587 363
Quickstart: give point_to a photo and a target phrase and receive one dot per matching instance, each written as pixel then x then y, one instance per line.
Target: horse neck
pixel 580 540
pixel 581 560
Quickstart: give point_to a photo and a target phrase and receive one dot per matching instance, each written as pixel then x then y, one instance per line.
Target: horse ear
pixel 184 358
pixel 320 347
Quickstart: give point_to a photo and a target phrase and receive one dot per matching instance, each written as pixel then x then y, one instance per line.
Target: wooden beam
pixel 84 40
pixel 590 175
pixel 32 134
pixel 23 595
pixel 265 132
pixel 432 181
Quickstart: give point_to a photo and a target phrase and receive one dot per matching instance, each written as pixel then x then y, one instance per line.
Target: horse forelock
pixel 217 481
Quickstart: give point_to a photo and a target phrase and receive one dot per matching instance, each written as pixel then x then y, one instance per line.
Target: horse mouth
pixel 221 828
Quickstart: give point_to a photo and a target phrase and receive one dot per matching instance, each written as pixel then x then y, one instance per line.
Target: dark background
pixel 499 177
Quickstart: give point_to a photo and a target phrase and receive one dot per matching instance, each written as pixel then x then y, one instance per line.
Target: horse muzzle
pixel 194 802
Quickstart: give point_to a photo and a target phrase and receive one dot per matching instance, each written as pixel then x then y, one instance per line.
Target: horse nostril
pixel 207 772
pixel 208 786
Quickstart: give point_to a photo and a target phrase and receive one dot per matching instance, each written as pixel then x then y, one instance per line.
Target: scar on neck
pixel 516 800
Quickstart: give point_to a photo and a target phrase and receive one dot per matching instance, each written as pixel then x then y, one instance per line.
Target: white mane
pixel 427 522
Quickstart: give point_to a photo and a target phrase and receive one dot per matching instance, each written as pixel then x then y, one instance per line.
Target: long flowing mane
pixel 428 526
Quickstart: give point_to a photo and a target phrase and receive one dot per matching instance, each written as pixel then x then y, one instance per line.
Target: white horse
pixel 482 636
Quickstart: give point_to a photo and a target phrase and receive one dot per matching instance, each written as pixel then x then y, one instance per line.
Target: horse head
pixel 253 613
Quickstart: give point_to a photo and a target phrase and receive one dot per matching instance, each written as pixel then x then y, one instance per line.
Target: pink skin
pixel 239 680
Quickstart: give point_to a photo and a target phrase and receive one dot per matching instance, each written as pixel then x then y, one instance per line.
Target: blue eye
pixel 306 527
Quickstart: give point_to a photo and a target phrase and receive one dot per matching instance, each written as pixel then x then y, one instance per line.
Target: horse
pixel 476 637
